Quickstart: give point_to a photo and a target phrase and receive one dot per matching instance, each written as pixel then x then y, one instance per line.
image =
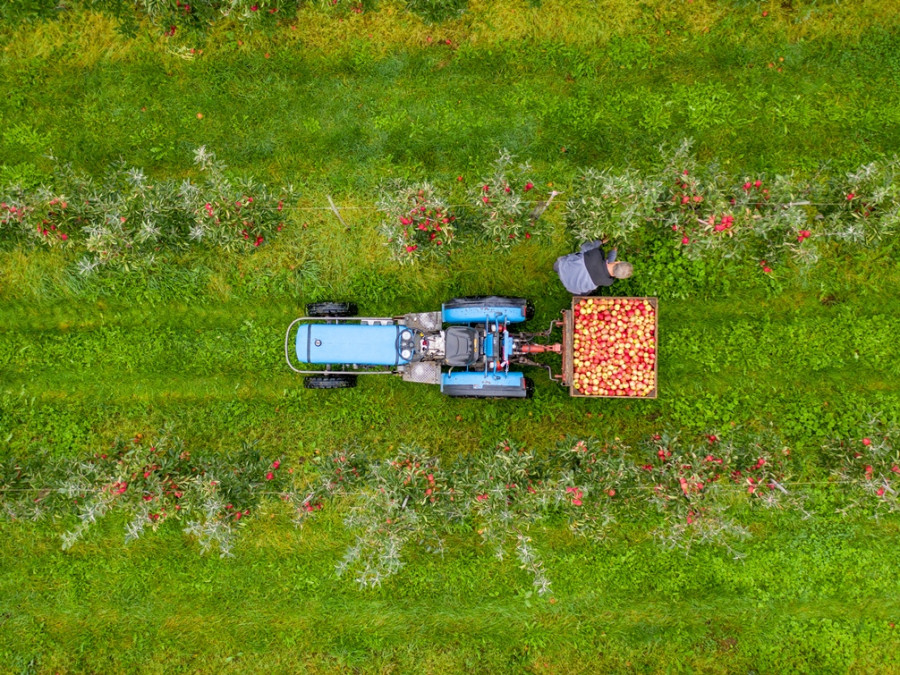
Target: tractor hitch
pixel 540 349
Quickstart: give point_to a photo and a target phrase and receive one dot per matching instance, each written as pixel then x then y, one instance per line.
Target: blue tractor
pixel 466 348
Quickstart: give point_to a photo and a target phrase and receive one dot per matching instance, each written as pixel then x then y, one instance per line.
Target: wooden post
pixel 541 207
pixel 337 213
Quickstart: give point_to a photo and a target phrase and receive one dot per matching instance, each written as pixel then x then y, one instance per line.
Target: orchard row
pixel 686 491
pixel 701 210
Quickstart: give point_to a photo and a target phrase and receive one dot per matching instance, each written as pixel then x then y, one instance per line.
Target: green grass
pixel 101 360
pixel 195 339
pixel 802 599
pixel 219 373
pixel 333 109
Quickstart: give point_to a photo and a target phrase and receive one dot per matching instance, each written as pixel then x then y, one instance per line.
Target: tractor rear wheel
pixel 526 305
pixel 328 308
pixel 329 381
pixel 510 392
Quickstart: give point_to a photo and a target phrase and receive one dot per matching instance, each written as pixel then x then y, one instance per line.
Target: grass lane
pixel 74 374
pixel 818 592
pixel 341 111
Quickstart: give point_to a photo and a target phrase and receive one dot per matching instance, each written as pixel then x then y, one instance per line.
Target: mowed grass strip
pixel 75 376
pixel 817 594
pixel 343 111
pixel 253 344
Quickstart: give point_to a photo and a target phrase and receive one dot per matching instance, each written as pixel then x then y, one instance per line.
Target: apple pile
pixel 614 347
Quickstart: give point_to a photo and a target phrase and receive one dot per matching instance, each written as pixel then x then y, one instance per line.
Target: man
pixel 582 273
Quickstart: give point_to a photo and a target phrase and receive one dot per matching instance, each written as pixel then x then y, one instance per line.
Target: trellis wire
pixel 372 207
pixel 623 489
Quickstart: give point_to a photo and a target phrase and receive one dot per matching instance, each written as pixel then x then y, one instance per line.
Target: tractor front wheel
pixel 331 309
pixel 329 381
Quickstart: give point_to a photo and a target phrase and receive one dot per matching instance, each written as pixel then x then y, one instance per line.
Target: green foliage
pixel 122 217
pixel 26 137
pixel 26 175
pixel 203 15
pixel 870 467
pixel 606 205
pixel 16 11
pixel 866 206
pixel 507 493
pixel 232 215
pixel 707 213
pixel 418 222
pixel 148 482
pixel 715 217
pixel 436 11
pixel 666 272
pixel 503 212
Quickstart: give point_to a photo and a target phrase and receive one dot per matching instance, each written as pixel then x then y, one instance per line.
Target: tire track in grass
pixel 219 373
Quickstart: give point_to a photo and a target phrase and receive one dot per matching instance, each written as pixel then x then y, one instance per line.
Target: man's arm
pixel 597 243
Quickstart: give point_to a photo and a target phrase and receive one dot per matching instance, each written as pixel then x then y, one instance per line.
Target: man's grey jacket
pixel 581 273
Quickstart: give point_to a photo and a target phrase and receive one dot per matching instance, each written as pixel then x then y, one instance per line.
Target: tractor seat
pixel 459 346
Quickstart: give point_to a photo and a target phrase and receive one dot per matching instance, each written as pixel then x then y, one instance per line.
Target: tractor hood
pixel 352 343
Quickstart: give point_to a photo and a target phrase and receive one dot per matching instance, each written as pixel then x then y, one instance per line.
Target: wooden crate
pixel 569 339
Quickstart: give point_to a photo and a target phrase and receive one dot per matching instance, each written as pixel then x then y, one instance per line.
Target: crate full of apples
pixel 612 347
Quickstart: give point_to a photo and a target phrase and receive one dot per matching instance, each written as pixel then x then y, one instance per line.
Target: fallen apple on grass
pixel 614 347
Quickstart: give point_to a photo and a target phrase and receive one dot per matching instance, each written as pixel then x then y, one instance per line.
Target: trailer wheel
pixel 329 308
pixel 329 381
pixel 529 387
